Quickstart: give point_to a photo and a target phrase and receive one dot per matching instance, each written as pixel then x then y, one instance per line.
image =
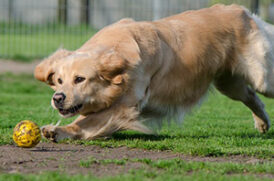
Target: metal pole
pixel 85 11
pixel 255 6
pixel 62 11
pixel 156 9
pixel 10 10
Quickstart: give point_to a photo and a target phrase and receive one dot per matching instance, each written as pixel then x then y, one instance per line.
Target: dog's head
pixel 84 83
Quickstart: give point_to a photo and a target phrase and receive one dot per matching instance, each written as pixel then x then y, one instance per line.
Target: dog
pixel 132 71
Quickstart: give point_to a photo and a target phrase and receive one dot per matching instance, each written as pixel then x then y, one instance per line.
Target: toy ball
pixel 26 134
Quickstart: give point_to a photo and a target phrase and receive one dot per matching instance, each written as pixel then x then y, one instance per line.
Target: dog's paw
pixel 261 125
pixel 49 132
pixel 56 133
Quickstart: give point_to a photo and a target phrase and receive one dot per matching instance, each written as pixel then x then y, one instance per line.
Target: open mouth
pixel 72 110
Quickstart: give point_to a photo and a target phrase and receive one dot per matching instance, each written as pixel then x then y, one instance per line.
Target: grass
pixel 163 170
pixel 220 127
pixel 179 166
pixel 138 175
pixel 27 42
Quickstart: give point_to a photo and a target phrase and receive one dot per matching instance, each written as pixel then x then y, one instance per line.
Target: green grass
pixel 136 175
pixel 174 169
pixel 220 127
pixel 179 166
pixel 163 170
pixel 27 42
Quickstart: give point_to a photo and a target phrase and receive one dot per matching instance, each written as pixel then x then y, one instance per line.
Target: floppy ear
pixel 46 69
pixel 115 63
pixel 113 68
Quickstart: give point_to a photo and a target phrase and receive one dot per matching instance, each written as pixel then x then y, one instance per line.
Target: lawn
pixel 219 128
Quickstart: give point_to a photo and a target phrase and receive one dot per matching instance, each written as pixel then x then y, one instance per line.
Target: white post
pixel 157 9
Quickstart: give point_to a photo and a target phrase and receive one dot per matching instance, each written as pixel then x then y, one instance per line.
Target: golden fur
pixel 134 70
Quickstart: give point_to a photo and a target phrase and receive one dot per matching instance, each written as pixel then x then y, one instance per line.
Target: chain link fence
pixel 32 29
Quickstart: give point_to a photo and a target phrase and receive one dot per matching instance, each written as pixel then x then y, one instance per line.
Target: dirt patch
pixel 69 158
pixel 17 67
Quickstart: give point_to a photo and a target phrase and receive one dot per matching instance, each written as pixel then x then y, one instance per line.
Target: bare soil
pixel 68 157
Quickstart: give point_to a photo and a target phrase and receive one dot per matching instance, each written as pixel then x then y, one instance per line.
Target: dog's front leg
pixel 56 133
pixel 101 124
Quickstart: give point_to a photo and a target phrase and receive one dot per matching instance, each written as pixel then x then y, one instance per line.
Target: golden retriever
pixel 131 71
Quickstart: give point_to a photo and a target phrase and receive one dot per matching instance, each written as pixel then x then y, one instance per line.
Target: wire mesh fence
pixel 32 29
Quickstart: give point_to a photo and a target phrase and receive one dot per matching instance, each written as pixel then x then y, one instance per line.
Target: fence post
pixel 157 7
pixel 10 10
pixel 85 11
pixel 255 6
pixel 62 11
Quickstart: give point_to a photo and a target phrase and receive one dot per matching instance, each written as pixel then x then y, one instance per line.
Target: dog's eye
pixel 79 79
pixel 60 81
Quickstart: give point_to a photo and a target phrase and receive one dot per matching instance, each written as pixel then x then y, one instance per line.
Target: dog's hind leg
pixel 235 88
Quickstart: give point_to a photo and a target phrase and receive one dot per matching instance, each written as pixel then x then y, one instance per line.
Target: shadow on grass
pixel 131 135
pixel 268 135
pixel 135 135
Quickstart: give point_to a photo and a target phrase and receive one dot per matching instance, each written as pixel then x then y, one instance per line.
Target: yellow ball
pixel 26 134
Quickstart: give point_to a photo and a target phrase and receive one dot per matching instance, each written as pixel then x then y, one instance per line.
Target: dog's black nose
pixel 58 99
